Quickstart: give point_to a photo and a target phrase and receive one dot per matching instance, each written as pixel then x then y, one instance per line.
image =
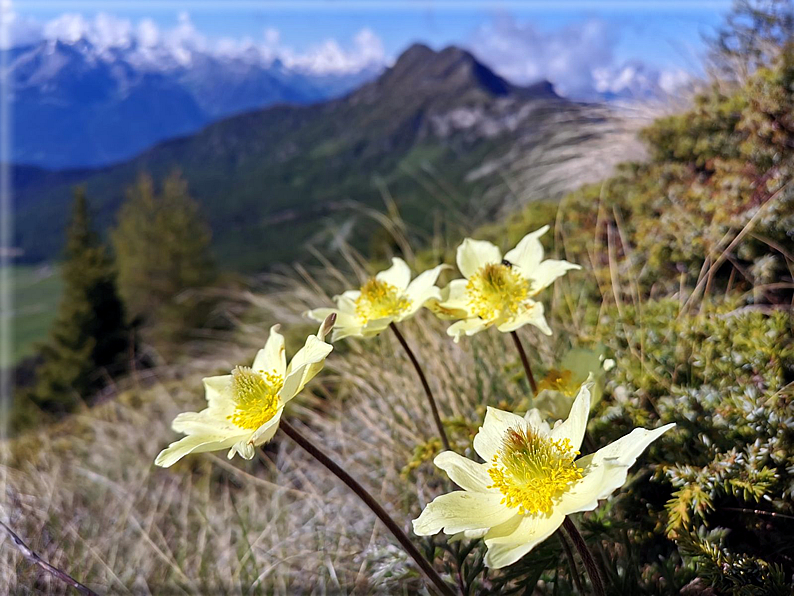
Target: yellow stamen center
pixel 560 380
pixel 379 300
pixel 255 395
pixel 532 470
pixel 496 289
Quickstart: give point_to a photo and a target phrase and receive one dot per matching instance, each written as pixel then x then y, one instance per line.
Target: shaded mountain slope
pixel 425 130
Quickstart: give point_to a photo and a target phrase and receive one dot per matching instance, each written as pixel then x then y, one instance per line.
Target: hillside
pixel 438 132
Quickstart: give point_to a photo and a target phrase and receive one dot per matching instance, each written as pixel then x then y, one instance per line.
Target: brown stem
pixel 425 385
pixel 587 558
pixel 370 501
pixel 35 559
pixel 571 563
pixel 525 362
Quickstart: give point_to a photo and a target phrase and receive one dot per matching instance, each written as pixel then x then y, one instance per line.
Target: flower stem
pixel 425 385
pixel 571 563
pixel 370 502
pixel 587 557
pixel 35 559
pixel 525 362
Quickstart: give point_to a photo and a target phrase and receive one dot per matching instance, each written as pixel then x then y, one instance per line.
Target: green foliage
pixel 162 249
pixel 724 375
pixel 89 340
pixel 733 574
pixel 701 135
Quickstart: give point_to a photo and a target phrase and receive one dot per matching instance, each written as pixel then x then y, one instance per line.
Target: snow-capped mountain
pixel 81 103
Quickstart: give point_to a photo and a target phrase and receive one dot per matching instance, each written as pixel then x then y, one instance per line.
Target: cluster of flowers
pixel 531 477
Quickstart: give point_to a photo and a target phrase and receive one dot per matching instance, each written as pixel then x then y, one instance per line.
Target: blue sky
pixel 662 36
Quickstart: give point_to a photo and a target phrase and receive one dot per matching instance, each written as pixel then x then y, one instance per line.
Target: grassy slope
pixel 36 292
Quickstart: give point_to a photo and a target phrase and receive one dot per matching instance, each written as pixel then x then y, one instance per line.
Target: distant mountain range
pixel 439 134
pixel 80 104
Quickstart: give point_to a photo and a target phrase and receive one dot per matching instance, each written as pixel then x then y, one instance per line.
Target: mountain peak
pixel 416 52
pixel 451 73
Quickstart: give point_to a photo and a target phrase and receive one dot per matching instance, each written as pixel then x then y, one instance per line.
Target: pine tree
pixel 162 249
pixel 89 339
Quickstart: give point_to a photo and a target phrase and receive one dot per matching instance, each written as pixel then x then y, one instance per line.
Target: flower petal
pixel 373 327
pixel 454 302
pixel 343 331
pixel 431 294
pixel 506 548
pixel 306 363
pixel 191 444
pixel 627 449
pixel 212 421
pixel 273 358
pixel 606 470
pixel 461 510
pixel 216 390
pixel 466 327
pixel 575 426
pixel 532 314
pixel 266 432
pixel 398 275
pixel 468 535
pixel 536 421
pixel 244 448
pixel 491 435
pixel 545 274
pixel 528 253
pixel 462 471
pixel 422 289
pixel 473 254
pixel 345 314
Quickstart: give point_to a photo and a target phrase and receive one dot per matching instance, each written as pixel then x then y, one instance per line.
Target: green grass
pixel 36 292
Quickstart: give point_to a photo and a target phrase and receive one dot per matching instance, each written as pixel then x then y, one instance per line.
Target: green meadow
pixel 36 291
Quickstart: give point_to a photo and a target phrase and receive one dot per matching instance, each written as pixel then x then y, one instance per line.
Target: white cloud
pixel 272 36
pixel 578 59
pixel 671 81
pixel 329 57
pixel 148 34
pixel 16 30
pixel 155 47
pixel 68 28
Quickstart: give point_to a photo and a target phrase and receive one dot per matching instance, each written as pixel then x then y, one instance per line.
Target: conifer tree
pixel 89 339
pixel 162 249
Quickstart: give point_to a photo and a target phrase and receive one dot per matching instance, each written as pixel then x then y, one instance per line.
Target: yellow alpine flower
pixel 244 408
pixel 498 291
pixel 557 390
pixel 388 297
pixel 530 481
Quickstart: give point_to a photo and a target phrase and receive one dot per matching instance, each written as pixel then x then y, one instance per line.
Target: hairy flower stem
pixel 425 385
pixel 533 385
pixel 370 502
pixel 35 559
pixel 587 557
pixel 571 563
